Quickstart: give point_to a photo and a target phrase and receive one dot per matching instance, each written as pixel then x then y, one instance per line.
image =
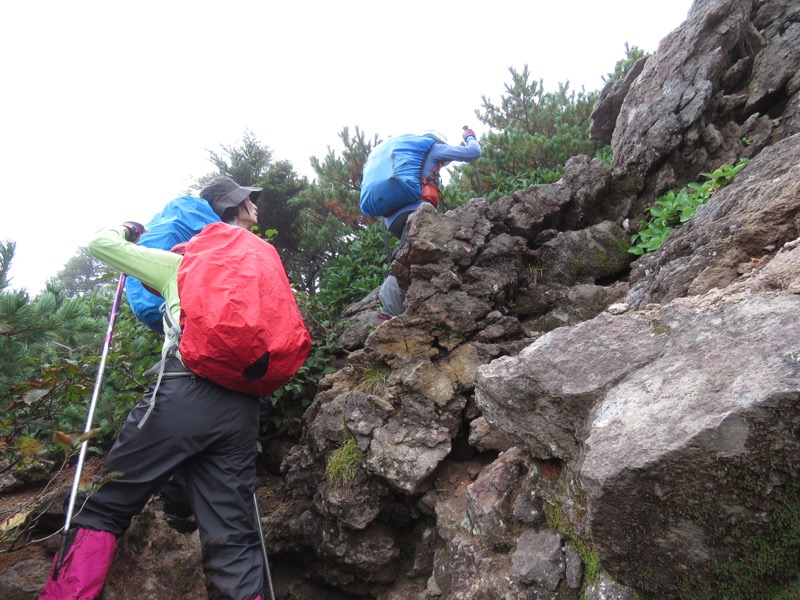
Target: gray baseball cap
pixel 224 192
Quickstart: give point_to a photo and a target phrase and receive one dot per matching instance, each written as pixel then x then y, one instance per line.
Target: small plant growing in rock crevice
pixel 345 463
pixel 558 520
pixel 373 379
pixel 535 272
pixel 672 210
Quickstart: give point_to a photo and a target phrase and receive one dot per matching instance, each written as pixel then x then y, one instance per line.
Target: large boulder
pixel 679 423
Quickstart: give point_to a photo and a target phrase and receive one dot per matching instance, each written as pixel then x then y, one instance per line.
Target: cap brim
pixel 255 192
pixel 235 198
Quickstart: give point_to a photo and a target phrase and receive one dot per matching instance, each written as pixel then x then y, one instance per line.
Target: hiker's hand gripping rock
pixel 468 134
pixel 133 231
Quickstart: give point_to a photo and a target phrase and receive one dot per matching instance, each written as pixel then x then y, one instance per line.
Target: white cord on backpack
pixel 173 336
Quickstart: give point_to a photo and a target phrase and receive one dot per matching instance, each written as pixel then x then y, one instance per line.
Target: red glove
pixel 468 133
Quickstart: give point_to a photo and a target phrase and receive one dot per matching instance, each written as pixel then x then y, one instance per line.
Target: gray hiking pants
pixel 391 295
pixel 211 433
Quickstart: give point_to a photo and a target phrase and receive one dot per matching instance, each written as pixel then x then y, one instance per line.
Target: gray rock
pixel 25 579
pixel 539 559
pixel 606 588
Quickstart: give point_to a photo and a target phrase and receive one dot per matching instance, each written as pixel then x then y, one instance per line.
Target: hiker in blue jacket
pixel 441 153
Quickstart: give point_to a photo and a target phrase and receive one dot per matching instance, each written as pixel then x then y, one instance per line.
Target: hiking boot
pixel 181 524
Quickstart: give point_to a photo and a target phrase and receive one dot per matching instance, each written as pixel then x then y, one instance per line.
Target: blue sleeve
pixel 443 152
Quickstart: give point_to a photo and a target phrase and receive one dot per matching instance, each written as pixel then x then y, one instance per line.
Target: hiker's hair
pixel 229 214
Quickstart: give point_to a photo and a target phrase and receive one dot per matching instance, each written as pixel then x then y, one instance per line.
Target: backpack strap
pixel 434 174
pixel 431 178
pixel 170 348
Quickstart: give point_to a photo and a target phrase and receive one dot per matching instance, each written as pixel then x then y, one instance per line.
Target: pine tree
pixel 33 330
pixel 330 206
pixel 621 68
pixel 251 164
pixel 533 133
pixel 50 347
pixel 82 273
pixel 246 163
pixel 538 129
pixel 40 342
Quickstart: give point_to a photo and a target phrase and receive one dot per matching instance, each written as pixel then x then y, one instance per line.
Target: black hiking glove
pixel 133 231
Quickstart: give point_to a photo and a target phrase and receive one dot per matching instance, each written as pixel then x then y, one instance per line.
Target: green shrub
pixel 357 271
pixel 505 185
pixel 292 399
pixel 46 393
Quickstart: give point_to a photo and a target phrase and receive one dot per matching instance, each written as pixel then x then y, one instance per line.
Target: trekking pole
pixel 477 175
pixel 92 405
pixel 263 547
pixel 386 243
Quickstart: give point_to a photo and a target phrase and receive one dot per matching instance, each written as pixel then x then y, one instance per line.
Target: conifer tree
pixel 50 347
pixel 538 129
pixel 246 163
pixel 251 164
pixel 33 330
pixel 532 134
pixel 82 273
pixel 331 214
pixel 622 66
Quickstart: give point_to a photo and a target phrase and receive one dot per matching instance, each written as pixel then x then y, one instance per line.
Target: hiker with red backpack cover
pixel 440 154
pixel 173 226
pixel 204 419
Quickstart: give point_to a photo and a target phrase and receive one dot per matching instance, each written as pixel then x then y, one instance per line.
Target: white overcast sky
pixel 109 109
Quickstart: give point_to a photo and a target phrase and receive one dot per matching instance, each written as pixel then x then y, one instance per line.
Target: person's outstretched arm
pixel 157 269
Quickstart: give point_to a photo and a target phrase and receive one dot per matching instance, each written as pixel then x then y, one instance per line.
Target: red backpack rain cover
pixel 241 327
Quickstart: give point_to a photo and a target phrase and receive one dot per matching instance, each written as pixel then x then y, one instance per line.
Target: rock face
pixel 647 440
pixel 723 86
pixel 550 419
